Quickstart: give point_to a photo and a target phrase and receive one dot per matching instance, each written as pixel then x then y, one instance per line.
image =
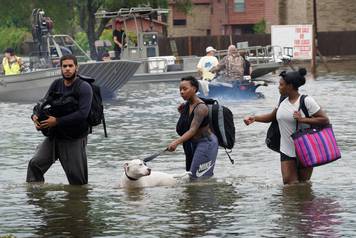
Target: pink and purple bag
pixel 316 146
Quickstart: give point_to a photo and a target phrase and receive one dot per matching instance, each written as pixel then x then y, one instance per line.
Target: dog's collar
pixel 130 178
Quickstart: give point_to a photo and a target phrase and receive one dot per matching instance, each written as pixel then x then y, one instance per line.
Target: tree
pixel 17 13
pixel 93 28
pixel 67 14
pixel 260 27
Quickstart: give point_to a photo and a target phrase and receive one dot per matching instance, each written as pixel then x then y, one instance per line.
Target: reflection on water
pixel 206 205
pixel 63 210
pixel 305 214
pixel 246 199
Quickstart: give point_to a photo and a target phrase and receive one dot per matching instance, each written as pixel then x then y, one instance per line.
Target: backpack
pixel 273 137
pixel 221 121
pixel 96 113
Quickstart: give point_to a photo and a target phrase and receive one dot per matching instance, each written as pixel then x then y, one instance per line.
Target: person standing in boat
pixel 11 63
pixel 233 64
pixel 206 63
pixel 119 39
pixel 199 143
pixel 67 137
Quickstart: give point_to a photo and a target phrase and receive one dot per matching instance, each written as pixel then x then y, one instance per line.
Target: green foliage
pixel 69 17
pixel 82 40
pixel 12 37
pixel 107 35
pixel 185 6
pixel 8 236
pixel 132 36
pixel 260 27
pixel 116 5
pixel 17 13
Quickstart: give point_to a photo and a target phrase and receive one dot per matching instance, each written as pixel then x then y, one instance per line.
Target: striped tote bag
pixel 316 146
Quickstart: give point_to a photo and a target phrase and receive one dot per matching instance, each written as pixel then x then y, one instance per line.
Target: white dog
pixel 137 174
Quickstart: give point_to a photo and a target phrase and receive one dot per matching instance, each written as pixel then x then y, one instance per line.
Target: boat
pixel 156 68
pixel 263 59
pixel 42 67
pixel 239 89
pixel 32 86
pixel 144 47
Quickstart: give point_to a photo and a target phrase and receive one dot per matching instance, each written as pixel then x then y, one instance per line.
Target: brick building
pixel 332 15
pixel 222 17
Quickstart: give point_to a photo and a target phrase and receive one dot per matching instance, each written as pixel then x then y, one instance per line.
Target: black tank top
pixel 185 120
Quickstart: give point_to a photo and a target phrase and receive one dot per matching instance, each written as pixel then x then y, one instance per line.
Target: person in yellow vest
pixel 11 63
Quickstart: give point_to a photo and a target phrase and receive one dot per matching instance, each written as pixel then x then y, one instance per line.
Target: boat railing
pixel 258 54
pixel 60 45
pixel 42 60
pixel 161 64
pixel 153 65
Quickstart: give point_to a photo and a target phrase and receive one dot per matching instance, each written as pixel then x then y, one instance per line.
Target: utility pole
pixel 315 39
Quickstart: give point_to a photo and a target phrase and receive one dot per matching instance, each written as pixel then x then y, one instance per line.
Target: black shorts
pixel 285 157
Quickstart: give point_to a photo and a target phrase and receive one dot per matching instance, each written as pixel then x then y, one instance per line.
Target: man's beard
pixel 70 77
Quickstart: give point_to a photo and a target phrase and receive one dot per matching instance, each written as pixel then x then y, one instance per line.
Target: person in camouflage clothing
pixel 233 64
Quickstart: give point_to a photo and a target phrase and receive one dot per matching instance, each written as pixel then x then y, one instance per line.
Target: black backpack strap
pixel 76 87
pixel 96 90
pixel 104 126
pixel 281 99
pixel 302 107
pixel 197 105
pixel 209 101
pixel 228 154
pixel 54 86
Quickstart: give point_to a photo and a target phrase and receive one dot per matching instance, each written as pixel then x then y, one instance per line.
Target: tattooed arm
pixel 200 112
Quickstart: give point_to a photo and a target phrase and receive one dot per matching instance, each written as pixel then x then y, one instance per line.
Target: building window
pixel 179 17
pixel 179 22
pixel 239 5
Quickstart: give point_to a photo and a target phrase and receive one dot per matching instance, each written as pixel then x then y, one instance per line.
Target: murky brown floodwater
pixel 245 199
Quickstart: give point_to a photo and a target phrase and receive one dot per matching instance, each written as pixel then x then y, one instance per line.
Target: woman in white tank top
pixel 287 115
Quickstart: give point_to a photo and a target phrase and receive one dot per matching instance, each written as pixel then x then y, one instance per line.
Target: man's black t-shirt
pixel 120 35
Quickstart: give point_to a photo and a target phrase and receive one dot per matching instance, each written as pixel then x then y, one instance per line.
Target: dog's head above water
pixel 136 169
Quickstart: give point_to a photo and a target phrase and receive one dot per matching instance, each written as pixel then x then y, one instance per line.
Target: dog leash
pixel 151 157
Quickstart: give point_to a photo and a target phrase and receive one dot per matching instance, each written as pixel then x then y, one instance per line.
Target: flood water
pixel 246 199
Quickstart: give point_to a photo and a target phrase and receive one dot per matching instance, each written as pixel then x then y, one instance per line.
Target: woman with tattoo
pixel 199 143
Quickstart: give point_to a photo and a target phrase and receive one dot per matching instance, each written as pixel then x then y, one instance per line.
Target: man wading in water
pixel 67 137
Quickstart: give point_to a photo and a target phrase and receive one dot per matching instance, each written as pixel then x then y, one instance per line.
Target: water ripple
pixel 246 199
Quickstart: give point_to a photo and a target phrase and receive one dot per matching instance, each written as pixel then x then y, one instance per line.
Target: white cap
pixel 209 48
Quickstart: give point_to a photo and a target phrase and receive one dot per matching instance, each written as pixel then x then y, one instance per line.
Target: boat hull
pixel 31 86
pixel 172 76
pixel 258 70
